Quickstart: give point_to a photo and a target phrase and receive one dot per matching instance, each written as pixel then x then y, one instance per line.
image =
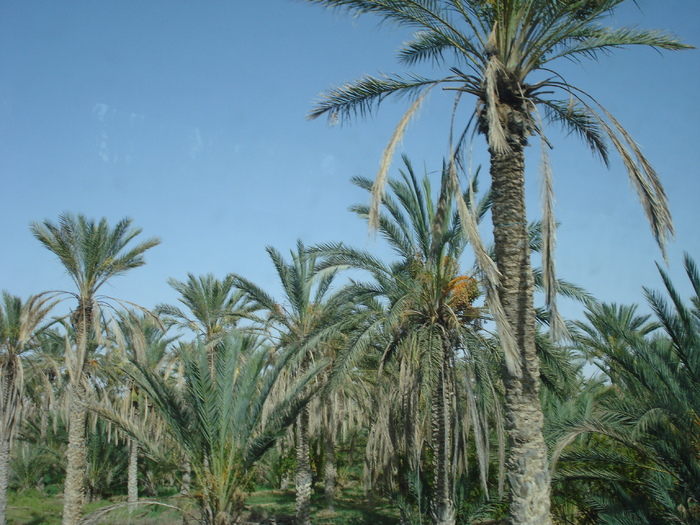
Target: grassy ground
pixel 33 508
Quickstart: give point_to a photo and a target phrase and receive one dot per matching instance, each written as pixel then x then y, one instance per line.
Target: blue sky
pixel 189 117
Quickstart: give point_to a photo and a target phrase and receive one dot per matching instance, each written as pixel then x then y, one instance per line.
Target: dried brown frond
pixel 377 191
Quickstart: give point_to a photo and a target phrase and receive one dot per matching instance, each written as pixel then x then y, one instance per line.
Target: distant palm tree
pixel 303 323
pixel 19 326
pixel 92 253
pixel 141 339
pixel 501 52
pixel 215 307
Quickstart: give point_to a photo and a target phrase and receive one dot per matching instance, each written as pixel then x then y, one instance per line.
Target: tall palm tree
pixel 19 326
pixel 215 307
pixel 304 322
pixel 427 321
pixel 501 52
pixel 92 253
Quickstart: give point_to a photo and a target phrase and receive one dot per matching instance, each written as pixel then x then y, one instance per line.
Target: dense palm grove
pixel 432 376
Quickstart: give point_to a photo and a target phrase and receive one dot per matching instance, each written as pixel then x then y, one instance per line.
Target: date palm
pixel 303 323
pixel 140 338
pixel 20 323
pixel 92 253
pixel 219 422
pixel 501 53
pixel 422 306
pixel 215 307
pixel 650 413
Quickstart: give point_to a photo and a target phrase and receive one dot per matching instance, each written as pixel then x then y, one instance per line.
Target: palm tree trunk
pixel 330 470
pixel 443 510
pixel 303 470
pixel 132 481
pixel 4 476
pixel 527 467
pixel 186 479
pixel 9 417
pixel 43 433
pixel 74 488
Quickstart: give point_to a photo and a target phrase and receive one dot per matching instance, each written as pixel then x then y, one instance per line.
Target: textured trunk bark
pixel 527 466
pixel 303 470
pixel 10 415
pixel 330 471
pixel 133 472
pixel 443 510
pixel 43 432
pixel 186 476
pixel 74 488
pixel 185 485
pixel 76 453
pixel 4 477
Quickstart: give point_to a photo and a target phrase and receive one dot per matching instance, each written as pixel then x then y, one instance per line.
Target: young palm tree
pixel 304 323
pixel 92 253
pixel 218 422
pixel 501 52
pixel 141 339
pixel 19 326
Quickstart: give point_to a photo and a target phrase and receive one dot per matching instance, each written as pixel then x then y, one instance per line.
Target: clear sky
pixel 189 117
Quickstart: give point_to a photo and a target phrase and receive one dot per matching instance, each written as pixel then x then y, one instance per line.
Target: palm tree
pixel 215 308
pixel 218 422
pixel 19 326
pixel 141 339
pixel 644 426
pixel 426 319
pixel 92 253
pixel 304 323
pixel 496 49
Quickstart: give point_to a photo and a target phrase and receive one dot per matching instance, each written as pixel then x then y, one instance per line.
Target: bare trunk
pixel 74 488
pixel 43 432
pixel 76 453
pixel 303 470
pixel 186 476
pixel 10 416
pixel 330 473
pixel 443 510
pixel 132 481
pixel 186 479
pixel 4 477
pixel 527 466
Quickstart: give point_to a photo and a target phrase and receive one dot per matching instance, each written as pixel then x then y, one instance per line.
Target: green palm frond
pixel 590 41
pixel 363 96
pixel 577 119
pixel 649 412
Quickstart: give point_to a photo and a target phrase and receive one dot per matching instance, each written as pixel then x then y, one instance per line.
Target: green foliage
pixel 219 421
pixel 643 459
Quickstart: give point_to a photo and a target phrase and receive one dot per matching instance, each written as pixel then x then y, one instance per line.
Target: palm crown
pixel 493 49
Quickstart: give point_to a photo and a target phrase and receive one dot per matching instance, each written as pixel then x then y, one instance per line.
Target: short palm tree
pixel 501 53
pixel 218 422
pixel 140 338
pixel 19 326
pixel 92 253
